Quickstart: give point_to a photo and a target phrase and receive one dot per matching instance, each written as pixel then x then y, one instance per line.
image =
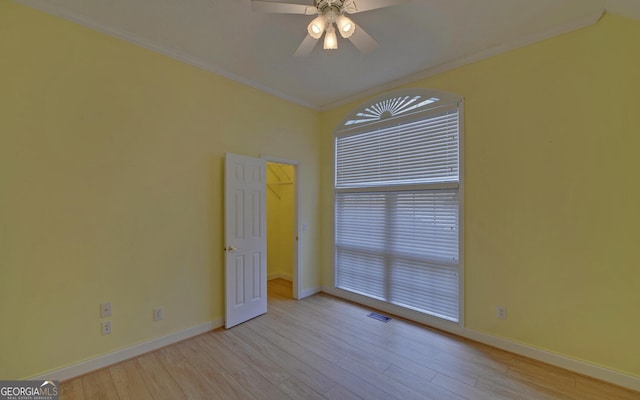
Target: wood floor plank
pixel 217 377
pixel 511 388
pixel 326 348
pixel 290 357
pixel 159 382
pixel 277 356
pixel 340 393
pixel 541 375
pixel 299 390
pixel 421 385
pixel 379 380
pixel 295 334
pixel 72 389
pixel 282 377
pixel 98 385
pixel 592 389
pixel 348 343
pixel 251 357
pixel 192 383
pixel 259 386
pixel 345 343
pixel 128 381
pixel 343 377
pixel 280 288
pixel 469 392
pixel 225 357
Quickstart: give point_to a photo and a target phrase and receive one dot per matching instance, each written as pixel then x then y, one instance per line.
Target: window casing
pixel 398 202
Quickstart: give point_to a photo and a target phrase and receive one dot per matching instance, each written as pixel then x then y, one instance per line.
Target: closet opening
pixel 282 228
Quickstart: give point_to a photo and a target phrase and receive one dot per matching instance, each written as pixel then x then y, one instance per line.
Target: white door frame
pixel 297 222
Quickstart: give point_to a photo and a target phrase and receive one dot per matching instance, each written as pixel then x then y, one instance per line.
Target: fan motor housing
pixel 324 5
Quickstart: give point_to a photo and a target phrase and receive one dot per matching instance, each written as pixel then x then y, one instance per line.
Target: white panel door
pixel 245 239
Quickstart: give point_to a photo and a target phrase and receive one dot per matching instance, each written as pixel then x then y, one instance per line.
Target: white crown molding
pixel 545 356
pixel 469 59
pixel 157 48
pixel 117 356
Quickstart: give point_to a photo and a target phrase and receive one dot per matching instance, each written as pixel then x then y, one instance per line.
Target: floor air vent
pixel 379 317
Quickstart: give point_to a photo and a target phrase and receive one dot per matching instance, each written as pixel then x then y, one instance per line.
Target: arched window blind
pixel 397 206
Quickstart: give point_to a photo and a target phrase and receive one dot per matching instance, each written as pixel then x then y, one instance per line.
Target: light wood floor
pixel 324 348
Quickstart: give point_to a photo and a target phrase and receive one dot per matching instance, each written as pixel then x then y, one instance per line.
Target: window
pixel 397 202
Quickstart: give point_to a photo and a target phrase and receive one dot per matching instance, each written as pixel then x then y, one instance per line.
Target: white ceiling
pixel 415 39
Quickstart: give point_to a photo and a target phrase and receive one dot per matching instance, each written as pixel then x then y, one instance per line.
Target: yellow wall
pixel 111 180
pixel 552 220
pixel 280 238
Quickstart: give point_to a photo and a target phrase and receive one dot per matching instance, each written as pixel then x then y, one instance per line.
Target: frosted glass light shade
pixel 316 27
pixel 330 39
pixel 346 27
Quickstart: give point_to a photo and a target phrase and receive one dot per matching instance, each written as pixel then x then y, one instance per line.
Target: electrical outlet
pixel 105 310
pixel 106 328
pixel 501 312
pixel 157 313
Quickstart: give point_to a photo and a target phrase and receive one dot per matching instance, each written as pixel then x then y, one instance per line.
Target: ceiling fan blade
pixel 356 6
pixel 282 8
pixel 362 40
pixel 306 47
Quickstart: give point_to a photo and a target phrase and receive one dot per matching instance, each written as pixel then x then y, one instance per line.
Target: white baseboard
pixel 545 356
pixel 279 275
pixel 117 356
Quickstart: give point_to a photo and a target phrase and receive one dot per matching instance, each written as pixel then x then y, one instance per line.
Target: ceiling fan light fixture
pixel 330 39
pixel 317 26
pixel 346 27
pixel 327 16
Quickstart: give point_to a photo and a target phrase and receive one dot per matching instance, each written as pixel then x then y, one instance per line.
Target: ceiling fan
pixel 330 13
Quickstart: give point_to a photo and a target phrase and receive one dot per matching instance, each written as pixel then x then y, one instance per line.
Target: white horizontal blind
pixel 397 228
pixel 417 152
